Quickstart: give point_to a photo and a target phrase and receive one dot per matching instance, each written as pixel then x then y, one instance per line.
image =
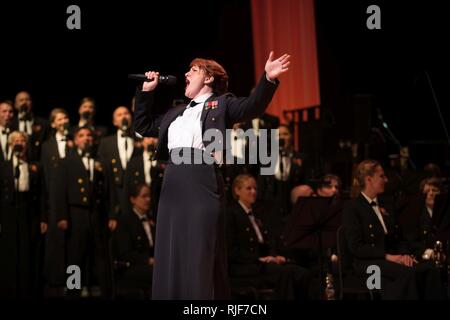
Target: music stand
pixel 313 225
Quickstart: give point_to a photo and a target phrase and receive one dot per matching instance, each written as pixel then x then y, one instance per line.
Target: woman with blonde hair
pixel 372 239
pixel 253 259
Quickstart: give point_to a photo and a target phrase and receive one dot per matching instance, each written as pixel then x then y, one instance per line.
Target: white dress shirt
pixel 186 129
pixel 283 175
pixel 124 153
pixel 4 133
pixel 23 183
pixel 252 219
pixel 428 252
pixel 377 211
pixel 430 211
pixel 26 126
pixel 237 144
pixel 147 227
pixel 61 143
pixel 88 165
pixel 148 164
pixel 255 125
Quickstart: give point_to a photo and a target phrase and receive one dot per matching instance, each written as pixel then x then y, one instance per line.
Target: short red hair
pixel 213 69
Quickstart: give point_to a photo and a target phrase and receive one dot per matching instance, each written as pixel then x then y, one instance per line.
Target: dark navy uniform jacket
pixel 219 113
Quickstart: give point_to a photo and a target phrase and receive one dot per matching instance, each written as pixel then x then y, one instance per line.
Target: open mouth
pixel 187 82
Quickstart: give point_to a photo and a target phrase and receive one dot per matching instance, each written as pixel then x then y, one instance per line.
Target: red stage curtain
pixel 288 26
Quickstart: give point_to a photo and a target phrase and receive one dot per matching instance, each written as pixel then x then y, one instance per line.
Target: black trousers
pixel 86 247
pixel 398 282
pixel 16 247
pixel 289 281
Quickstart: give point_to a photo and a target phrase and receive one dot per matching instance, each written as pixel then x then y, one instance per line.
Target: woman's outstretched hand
pixel 276 67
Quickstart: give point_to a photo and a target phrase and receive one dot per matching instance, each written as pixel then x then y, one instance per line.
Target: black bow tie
pixel 373 204
pixel 144 218
pixel 192 104
pixel 25 117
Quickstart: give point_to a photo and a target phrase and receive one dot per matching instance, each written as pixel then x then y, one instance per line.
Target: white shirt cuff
pixel 272 81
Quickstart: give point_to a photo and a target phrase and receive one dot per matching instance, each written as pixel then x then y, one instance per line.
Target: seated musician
pixel 253 259
pixel 373 239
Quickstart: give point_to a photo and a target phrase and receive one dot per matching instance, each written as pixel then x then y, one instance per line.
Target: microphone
pixel 87 150
pixel 17 149
pixel 66 127
pixel 24 113
pixel 151 153
pixel 150 149
pixel 169 80
pixel 380 117
pixel 86 115
pixel 23 108
pixel 124 125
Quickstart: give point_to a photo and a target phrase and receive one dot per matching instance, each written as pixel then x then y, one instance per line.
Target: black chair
pixel 349 283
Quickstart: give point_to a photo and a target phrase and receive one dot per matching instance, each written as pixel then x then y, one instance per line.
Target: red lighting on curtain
pixel 288 26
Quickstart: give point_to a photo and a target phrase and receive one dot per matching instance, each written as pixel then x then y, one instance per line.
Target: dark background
pixel 388 67
pixel 387 70
pixel 60 66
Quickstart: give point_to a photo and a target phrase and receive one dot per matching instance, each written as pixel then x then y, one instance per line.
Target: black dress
pixel 190 251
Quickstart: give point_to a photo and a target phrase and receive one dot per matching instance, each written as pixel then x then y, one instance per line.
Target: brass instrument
pixel 439 256
pixel 330 292
pixel 440 260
